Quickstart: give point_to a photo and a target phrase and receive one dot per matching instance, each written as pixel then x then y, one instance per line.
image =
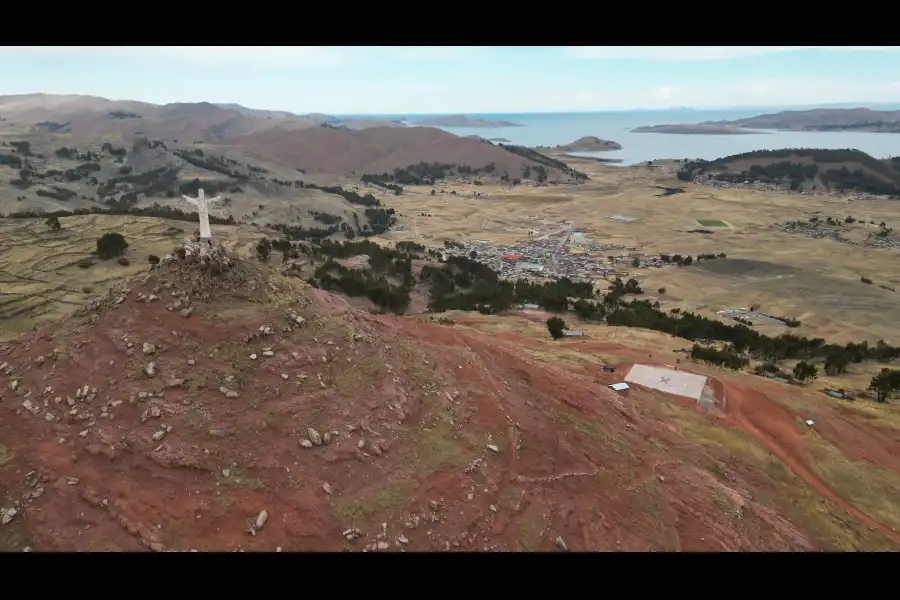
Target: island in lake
pixel 698 129
pixel 588 143
pixel 465 121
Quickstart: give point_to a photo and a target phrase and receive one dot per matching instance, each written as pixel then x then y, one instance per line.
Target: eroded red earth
pixel 432 437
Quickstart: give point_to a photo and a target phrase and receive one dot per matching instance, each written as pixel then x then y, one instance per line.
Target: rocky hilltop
pixel 213 403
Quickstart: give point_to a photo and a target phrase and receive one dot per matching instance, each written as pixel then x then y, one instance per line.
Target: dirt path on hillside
pixel 773 425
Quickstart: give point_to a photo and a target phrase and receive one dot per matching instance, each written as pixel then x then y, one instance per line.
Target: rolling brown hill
pixel 378 150
pixel 314 143
pixel 88 117
pixel 804 167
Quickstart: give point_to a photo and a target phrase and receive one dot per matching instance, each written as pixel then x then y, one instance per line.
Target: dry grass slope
pixel 39 271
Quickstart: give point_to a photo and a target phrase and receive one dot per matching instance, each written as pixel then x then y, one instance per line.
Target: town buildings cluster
pixel 821 230
pixel 549 257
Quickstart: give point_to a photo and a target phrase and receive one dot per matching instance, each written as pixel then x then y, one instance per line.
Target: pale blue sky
pixel 416 79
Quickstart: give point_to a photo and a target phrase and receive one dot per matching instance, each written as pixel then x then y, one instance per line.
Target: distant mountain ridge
pixel 464 121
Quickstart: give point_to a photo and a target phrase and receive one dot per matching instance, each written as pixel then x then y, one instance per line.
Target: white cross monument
pixel 202 204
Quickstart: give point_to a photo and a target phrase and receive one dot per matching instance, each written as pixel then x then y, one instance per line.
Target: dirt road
pixel 774 426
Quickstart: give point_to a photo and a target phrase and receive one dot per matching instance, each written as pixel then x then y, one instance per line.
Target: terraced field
pixel 40 279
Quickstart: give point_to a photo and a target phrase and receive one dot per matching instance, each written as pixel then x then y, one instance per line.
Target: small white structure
pixel 679 383
pixel 202 204
pixel 573 333
pixel 619 387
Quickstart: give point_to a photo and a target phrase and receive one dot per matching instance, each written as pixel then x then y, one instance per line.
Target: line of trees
pixel 544 160
pixel 463 283
pixel 156 210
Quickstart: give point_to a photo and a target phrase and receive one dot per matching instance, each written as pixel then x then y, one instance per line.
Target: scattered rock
pixel 493 448
pixel 306 443
pixel 228 393
pixel 261 519
pixel 150 370
pixel 217 433
pixel 561 544
pixel 187 312
pixel 177 382
pixel 327 488
pixel 159 435
pixel 314 436
pixel 252 357
pixel 148 348
pixel 7 515
pixel 268 353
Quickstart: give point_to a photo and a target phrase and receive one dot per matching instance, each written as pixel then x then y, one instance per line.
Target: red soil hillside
pixel 278 417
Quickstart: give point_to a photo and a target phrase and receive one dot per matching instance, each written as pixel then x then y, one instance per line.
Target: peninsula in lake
pixel 465 121
pixel 698 129
pixel 822 119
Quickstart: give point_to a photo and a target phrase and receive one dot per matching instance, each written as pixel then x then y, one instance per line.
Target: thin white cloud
pixel 260 56
pixel 669 53
pixel 750 92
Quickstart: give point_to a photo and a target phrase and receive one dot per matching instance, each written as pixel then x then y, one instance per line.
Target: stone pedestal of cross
pixel 202 203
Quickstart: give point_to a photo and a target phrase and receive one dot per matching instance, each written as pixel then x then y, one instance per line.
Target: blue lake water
pixel 547 129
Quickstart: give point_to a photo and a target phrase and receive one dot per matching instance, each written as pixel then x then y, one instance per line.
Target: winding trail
pixel 774 426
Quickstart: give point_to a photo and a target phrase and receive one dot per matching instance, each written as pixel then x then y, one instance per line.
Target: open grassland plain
pixel 818 281
pixel 40 276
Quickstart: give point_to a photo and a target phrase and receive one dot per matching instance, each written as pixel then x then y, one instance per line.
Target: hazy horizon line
pixel 774 107
pixel 416 113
